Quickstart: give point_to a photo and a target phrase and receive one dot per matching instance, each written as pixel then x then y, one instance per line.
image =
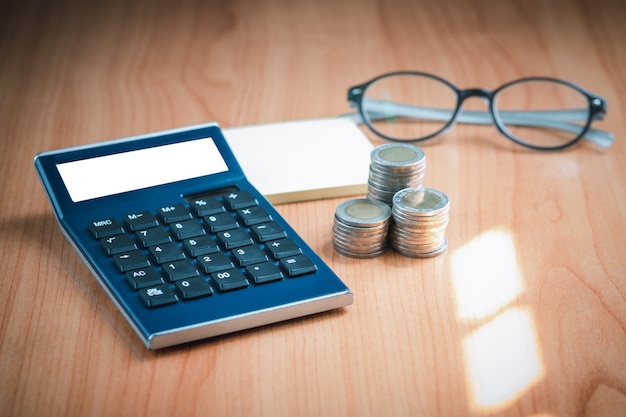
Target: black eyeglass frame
pixel 597 107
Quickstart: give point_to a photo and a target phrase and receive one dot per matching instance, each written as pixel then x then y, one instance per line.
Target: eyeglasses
pixel 539 112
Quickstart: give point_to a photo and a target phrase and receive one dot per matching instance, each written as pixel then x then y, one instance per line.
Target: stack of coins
pixel 393 167
pixel 361 227
pixel 420 218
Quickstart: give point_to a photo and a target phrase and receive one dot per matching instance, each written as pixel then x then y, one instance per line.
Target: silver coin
pixel 422 248
pixel 360 231
pixel 358 241
pixel 360 228
pixel 381 196
pixel 411 236
pixel 420 220
pixel 363 212
pixel 366 255
pixel 393 167
pixel 424 201
pixel 368 239
pixel 394 186
pixel 351 242
pixel 412 222
pixel 397 155
pixel 420 254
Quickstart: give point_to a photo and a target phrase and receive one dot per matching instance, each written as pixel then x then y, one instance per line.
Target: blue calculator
pixel 180 240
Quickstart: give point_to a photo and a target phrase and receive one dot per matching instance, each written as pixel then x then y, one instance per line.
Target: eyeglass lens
pixel 540 113
pixel 408 107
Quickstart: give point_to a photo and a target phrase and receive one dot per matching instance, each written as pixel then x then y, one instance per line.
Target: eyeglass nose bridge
pixel 475 92
pixel 484 117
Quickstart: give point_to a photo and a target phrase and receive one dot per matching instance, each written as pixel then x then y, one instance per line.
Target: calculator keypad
pixel 216 244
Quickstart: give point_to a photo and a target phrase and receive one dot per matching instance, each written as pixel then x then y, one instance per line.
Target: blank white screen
pixel 128 171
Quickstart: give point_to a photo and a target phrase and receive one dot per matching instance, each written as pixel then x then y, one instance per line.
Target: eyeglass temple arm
pixel 380 110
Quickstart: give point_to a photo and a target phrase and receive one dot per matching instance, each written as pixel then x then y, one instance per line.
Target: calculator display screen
pixel 128 171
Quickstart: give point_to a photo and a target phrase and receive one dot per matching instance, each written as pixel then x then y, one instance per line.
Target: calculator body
pixel 115 182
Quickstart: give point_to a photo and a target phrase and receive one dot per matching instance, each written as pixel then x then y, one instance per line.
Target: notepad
pixel 303 160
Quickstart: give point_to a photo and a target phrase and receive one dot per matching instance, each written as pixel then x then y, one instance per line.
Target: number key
pixel 234 238
pixel 214 262
pixel 202 245
pixel 230 280
pixel 249 255
pixel 194 288
pixel 186 229
pixel 220 221
pixel 153 236
pixel 166 252
pixel 178 270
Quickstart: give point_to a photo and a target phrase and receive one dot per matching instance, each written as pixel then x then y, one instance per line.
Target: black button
pixel 235 238
pixel 230 280
pixel 186 229
pixel 158 295
pixel 118 244
pixel 178 270
pixel 194 288
pixel 220 221
pixel 206 206
pixel 145 277
pixel 202 245
pixel 267 231
pixel 253 215
pixel 141 220
pixel 175 213
pixel 283 247
pixel 105 228
pixel 131 260
pixel 239 199
pixel 153 236
pixel 264 272
pixel 167 252
pixel 249 255
pixel 297 265
pixel 214 262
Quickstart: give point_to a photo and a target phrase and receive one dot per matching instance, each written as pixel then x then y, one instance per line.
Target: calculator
pixel 180 240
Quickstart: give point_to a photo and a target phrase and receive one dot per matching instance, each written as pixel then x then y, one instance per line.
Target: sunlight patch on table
pixel 502 357
pixel 485 275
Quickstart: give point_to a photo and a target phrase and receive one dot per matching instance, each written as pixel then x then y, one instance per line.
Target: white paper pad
pixel 303 160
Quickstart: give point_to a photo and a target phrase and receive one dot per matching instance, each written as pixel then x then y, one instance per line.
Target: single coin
pixel 363 212
pixel 420 254
pixel 427 201
pixel 362 255
pixel 397 154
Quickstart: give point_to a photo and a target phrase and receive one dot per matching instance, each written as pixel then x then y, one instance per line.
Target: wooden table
pixel 525 314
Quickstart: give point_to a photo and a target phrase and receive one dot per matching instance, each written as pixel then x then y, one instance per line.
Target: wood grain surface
pixel 524 315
